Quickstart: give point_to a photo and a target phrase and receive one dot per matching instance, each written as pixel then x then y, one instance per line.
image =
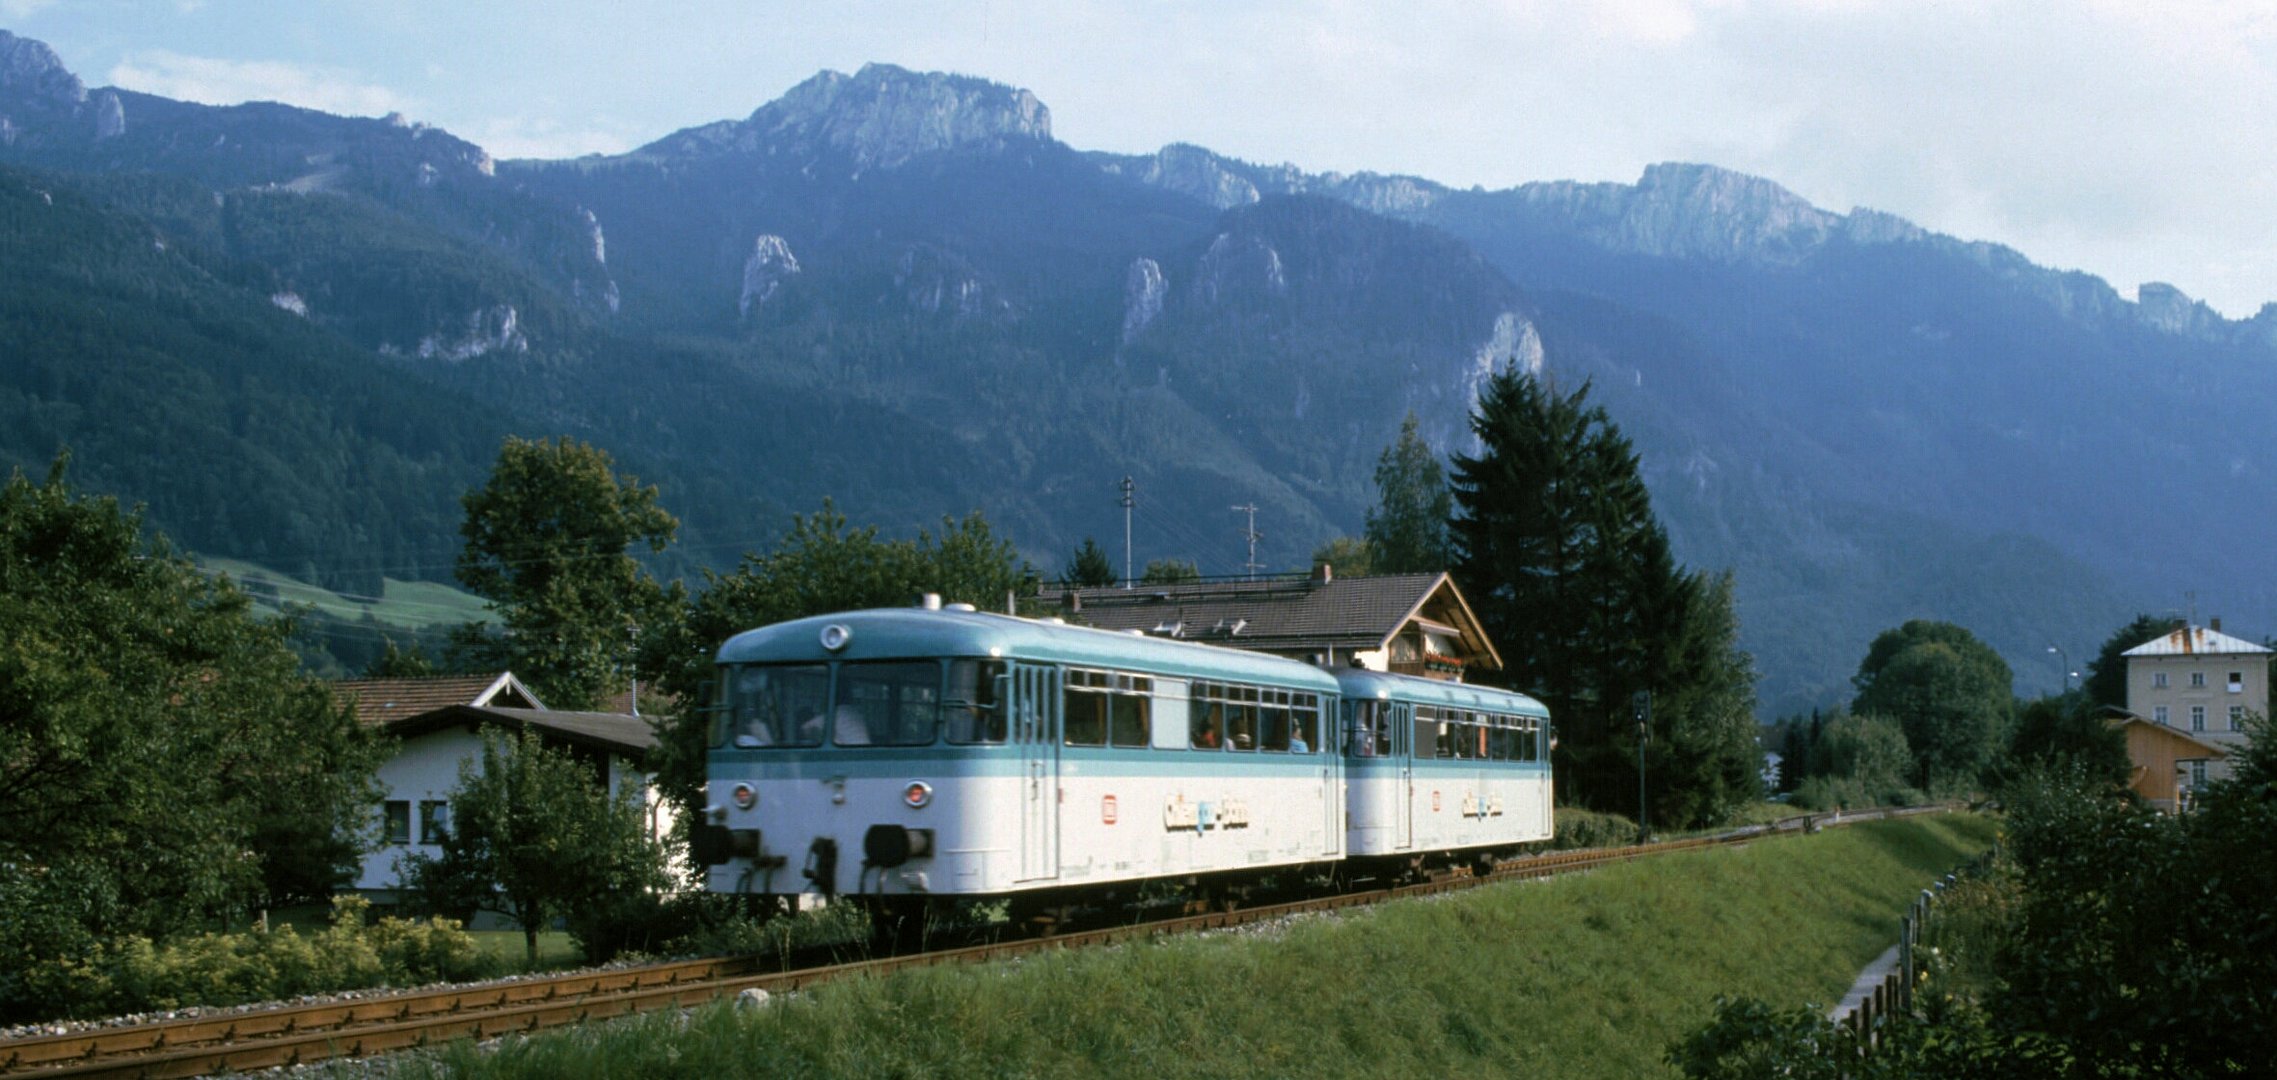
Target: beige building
pixel 2203 683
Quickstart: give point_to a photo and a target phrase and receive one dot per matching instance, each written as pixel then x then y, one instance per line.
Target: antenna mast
pixel 1252 535
pixel 1128 502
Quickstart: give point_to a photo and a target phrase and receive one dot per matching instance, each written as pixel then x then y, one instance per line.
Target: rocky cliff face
pixel 31 74
pixel 1144 290
pixel 879 117
pixel 770 265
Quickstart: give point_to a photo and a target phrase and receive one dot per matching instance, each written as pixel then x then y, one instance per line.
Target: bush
pixel 136 974
pixel 1578 828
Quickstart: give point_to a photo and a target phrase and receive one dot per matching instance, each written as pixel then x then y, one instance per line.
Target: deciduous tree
pixel 548 542
pixel 1349 556
pixel 1950 692
pixel 162 758
pixel 534 834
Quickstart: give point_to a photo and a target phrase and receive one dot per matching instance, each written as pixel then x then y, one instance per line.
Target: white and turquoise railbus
pixel 954 753
pixel 908 754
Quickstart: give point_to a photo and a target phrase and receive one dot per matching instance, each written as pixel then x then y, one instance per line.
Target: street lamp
pixel 2066 659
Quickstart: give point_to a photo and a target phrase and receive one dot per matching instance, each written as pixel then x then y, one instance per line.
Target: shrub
pixel 1578 828
pixel 135 974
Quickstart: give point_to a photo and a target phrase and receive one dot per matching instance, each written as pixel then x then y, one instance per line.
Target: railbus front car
pixel 915 755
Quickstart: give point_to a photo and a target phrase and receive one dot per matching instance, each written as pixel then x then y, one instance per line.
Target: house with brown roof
pixel 1416 624
pixel 439 724
pixel 2169 764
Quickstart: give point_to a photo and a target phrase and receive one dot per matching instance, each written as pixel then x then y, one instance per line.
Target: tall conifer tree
pixel 1558 549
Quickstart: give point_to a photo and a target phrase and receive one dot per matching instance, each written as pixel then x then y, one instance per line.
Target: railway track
pixel 302 1034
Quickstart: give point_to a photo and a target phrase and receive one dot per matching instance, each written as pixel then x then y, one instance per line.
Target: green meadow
pixel 1585 976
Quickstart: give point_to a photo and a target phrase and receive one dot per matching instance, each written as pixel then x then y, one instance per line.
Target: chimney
pixel 1071 600
pixel 1323 573
pixel 2216 625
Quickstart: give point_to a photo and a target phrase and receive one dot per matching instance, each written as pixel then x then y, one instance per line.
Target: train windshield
pixel 777 704
pixel 875 703
pixel 887 704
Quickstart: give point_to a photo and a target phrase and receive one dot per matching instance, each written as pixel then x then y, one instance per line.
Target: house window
pixel 2197 678
pixel 2237 682
pixel 434 821
pixel 2197 718
pixel 2198 773
pixel 2158 713
pixel 398 813
pixel 2237 718
pixel 2158 680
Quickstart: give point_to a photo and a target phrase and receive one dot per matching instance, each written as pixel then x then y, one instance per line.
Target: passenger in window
pixel 1206 734
pixel 1297 744
pixel 853 728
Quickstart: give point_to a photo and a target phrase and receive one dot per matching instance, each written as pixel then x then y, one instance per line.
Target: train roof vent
pixel 962 607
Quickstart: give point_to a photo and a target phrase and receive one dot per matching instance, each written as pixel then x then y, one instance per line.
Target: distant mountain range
pixel 299 337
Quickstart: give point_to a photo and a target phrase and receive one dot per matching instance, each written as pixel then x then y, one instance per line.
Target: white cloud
pixel 540 137
pixel 229 82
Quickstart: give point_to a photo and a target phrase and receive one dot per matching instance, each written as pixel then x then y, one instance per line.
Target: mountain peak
pixel 31 72
pixel 880 116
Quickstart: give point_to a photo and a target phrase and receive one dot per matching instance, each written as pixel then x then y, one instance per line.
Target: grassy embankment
pixel 405 604
pixel 1586 976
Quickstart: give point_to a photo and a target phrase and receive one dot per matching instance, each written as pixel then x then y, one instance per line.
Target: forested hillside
pixel 299 337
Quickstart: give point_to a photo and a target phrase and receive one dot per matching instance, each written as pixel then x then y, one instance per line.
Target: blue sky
pixel 2130 140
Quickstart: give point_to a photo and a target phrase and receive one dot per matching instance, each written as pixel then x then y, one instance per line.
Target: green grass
pixel 408 604
pixel 1586 976
pixel 555 949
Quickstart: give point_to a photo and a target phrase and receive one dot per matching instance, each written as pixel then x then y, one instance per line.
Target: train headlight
pixel 835 636
pixel 745 796
pixel 917 794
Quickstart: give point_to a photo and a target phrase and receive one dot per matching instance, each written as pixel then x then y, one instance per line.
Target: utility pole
pixel 1128 502
pixel 1252 535
pixel 1642 703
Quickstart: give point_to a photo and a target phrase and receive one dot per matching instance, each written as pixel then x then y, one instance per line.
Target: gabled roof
pixel 2122 719
pixel 383 702
pixel 614 732
pixel 1285 614
pixel 2194 641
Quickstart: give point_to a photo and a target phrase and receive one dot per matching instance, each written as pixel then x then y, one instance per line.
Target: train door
pixel 1035 730
pixel 1403 752
pixel 1331 779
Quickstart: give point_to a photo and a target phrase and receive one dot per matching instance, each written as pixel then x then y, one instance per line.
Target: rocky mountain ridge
pixel 901 291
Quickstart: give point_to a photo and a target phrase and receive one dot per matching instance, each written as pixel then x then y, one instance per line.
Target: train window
pixel 1127 720
pixel 974 715
pixel 1241 725
pixel 777 704
pixel 887 704
pixel 1208 727
pixel 1084 719
pixel 1274 727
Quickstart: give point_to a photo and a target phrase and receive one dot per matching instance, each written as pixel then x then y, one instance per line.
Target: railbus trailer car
pixel 1441 773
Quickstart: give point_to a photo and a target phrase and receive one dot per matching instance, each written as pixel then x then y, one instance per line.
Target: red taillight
pixel 917 793
pixel 745 796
